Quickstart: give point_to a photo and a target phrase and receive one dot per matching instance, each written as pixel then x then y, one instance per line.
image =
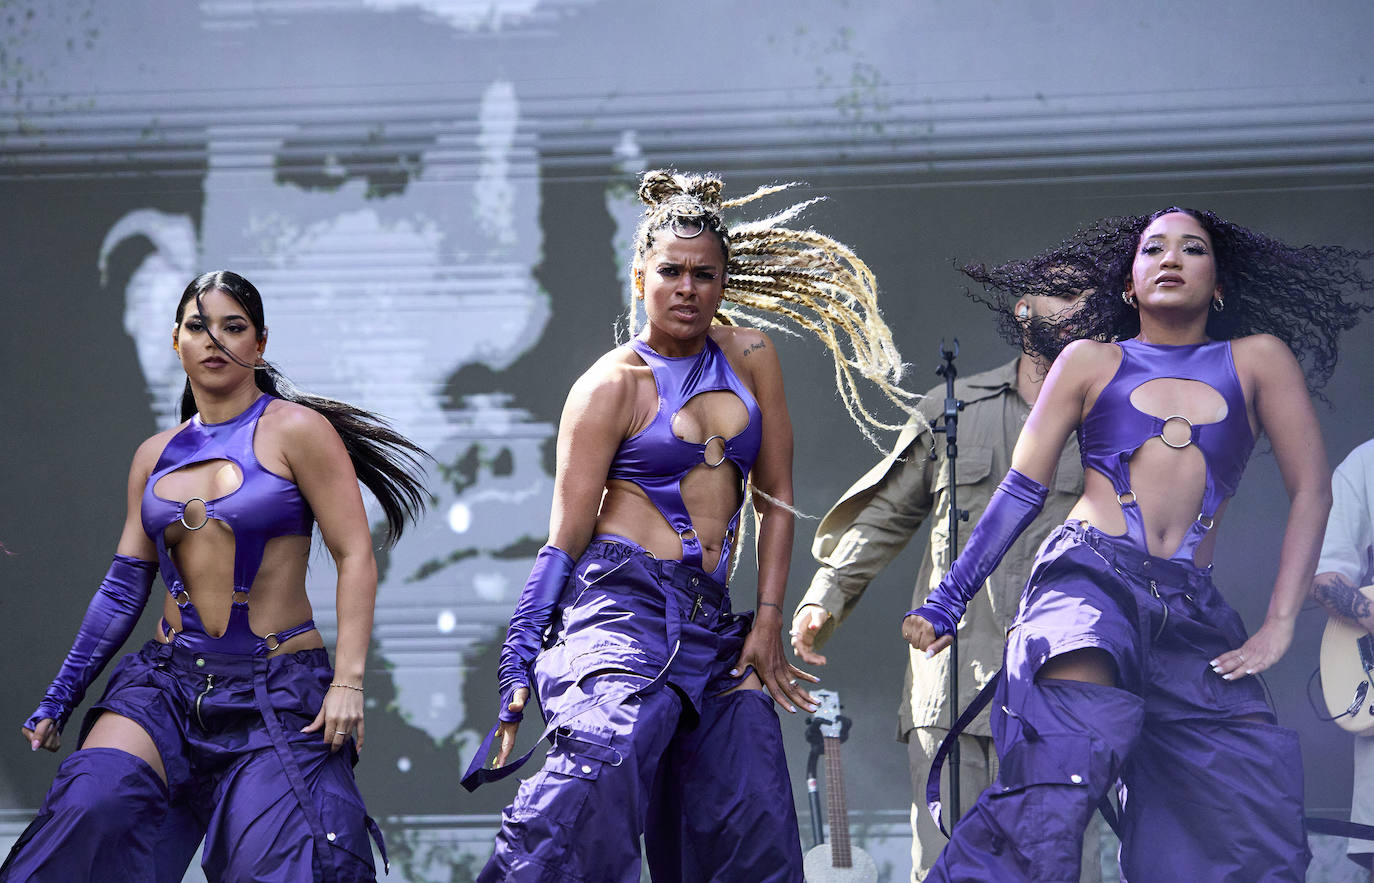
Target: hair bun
pixel 659 186
pixel 706 189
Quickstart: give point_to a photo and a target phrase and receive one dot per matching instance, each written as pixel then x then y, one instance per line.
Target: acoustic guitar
pixel 1347 667
pixel 837 861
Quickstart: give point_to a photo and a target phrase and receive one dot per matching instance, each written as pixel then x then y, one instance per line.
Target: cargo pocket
pixel 558 792
pixel 1052 759
pixel 545 821
pixel 347 827
pixel 1043 799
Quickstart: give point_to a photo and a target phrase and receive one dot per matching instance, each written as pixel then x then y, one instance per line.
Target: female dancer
pixel 1124 661
pixel 228 724
pixel 653 690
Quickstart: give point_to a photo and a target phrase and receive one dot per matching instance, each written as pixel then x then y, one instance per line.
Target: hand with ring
pixel 340 716
pixel 1259 653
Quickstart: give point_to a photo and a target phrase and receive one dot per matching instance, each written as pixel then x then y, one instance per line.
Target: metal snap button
pixel 200 663
pixel 1076 779
pixel 331 836
pixel 586 769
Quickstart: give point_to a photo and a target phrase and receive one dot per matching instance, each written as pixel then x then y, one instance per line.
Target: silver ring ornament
pixel 722 451
pixel 1166 423
pixel 204 522
pixel 687 228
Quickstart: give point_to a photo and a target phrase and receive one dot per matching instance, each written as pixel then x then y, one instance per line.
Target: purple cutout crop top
pixel 1115 428
pixel 264 506
pixel 657 460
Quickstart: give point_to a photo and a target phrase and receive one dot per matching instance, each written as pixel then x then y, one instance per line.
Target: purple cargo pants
pixel 645 741
pixel 272 803
pixel 1211 788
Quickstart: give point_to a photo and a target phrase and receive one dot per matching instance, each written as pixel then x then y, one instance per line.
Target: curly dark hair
pixel 1305 296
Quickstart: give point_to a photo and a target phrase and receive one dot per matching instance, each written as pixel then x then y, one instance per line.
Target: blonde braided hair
pixel 786 279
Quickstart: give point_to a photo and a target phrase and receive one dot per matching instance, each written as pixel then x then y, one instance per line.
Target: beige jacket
pixel 876 517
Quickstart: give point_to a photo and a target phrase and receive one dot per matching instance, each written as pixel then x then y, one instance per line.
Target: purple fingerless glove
pixel 109 621
pixel 533 613
pixel 1013 507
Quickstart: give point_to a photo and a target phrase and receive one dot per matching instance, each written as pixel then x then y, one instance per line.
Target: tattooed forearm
pixel 756 345
pixel 1343 599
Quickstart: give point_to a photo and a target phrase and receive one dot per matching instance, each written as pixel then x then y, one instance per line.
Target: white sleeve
pixel 1349 542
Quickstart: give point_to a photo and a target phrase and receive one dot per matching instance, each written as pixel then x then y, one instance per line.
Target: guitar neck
pixel 836 810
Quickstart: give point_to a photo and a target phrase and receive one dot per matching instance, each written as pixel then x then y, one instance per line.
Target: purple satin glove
pixel 109 621
pixel 533 613
pixel 1013 507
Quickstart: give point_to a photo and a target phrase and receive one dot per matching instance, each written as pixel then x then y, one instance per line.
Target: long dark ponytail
pixel 386 462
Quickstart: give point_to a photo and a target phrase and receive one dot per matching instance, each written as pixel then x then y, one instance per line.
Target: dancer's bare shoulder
pixel 738 341
pixel 1260 350
pixel 616 391
pixel 150 451
pixel 750 353
pixel 1264 361
pixel 1084 367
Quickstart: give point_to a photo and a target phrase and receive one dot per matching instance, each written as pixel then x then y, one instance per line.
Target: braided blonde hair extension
pixel 784 279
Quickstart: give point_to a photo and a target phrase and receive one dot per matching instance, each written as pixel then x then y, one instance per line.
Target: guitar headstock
pixel 827 713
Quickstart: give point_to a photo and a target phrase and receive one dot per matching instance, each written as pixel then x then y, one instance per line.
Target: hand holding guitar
pixel 1347 652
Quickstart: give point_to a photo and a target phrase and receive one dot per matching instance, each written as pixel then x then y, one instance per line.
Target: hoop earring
pixel 1218 304
pixel 1129 299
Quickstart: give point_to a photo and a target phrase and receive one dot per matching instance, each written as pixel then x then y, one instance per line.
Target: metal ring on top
pixel 271 641
pixel 179 595
pixel 687 228
pixel 722 451
pixel 1205 521
pixel 1121 502
pixel 182 519
pixel 1166 423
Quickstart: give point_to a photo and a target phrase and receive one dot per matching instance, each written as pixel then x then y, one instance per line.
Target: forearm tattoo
pixel 1343 599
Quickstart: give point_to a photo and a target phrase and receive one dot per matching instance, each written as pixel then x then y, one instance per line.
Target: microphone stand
pixel 949 425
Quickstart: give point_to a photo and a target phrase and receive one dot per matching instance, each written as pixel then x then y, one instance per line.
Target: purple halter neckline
pixel 1115 429
pixel 264 506
pixel 657 460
